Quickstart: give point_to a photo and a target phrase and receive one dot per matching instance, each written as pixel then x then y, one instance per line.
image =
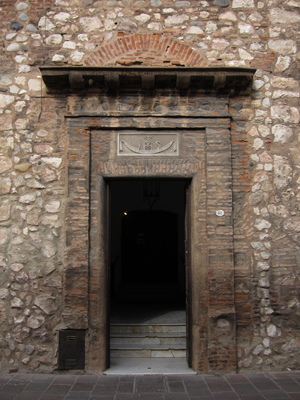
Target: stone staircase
pixel 148 340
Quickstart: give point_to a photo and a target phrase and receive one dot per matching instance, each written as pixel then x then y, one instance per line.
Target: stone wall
pixel 35 149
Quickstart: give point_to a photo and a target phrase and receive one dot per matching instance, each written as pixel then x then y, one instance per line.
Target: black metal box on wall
pixel 71 354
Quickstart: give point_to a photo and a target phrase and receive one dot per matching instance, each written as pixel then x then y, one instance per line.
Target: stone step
pixel 146 328
pixel 148 353
pixel 148 340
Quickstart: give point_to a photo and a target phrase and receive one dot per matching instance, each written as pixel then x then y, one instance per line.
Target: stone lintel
pixel 229 81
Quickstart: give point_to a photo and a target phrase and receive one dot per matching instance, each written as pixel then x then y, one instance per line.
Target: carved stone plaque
pixel 148 144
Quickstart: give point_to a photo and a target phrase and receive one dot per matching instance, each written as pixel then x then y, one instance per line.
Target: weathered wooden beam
pixel 225 80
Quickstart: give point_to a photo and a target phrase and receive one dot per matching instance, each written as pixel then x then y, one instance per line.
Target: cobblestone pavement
pixel 258 386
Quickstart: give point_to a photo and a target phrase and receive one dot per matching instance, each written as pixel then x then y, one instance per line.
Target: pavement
pixel 250 386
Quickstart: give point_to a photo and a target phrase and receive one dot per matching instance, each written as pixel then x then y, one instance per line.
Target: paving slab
pixel 259 386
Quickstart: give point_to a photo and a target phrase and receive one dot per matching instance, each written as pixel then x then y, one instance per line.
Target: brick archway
pixel 145 50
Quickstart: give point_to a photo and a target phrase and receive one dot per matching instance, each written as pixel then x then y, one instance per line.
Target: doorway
pixel 148 295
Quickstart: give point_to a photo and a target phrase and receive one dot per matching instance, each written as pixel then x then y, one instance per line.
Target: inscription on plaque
pixel 143 144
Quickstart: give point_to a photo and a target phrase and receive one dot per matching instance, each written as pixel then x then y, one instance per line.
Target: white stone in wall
pixel 5 100
pixel 229 15
pixel 58 58
pixel 53 39
pixel 48 249
pixel 195 30
pixel 4 210
pixel 261 224
pixel 16 267
pixel 257 47
pixel 256 17
pixel 13 47
pixel 257 84
pixel 285 114
pixel 176 19
pixel 284 83
pixel 245 29
pixel 28 198
pixel 283 47
pixel 282 64
pixel 262 266
pixel 5 185
pixel 5 79
pixel 258 349
pixel 53 281
pixel 51 220
pixel 3 235
pixel 46 24
pixel 282 133
pixel 155 26
pixel 46 303
pixel 282 172
pixel 280 16
pixel 264 282
pixel 5 124
pixel 21 124
pixel 14 89
pixel 69 45
pixel 34 184
pixel 109 25
pixel 4 293
pixel 83 37
pixel 19 105
pixel 77 56
pixel 16 303
pixel 220 44
pixel 253 131
pixel 204 14
pixel 5 164
pixel 279 94
pixel 264 132
pixel 271 330
pixel 168 10
pixel 54 162
pixel 258 143
pixel 245 55
pixel 292 225
pixel 211 27
pixel 11 36
pixel 280 211
pixel 90 24
pixel 268 167
pixel 257 246
pixel 35 85
pixel 247 362
pixel 62 17
pixel 143 18
pixel 243 4
pixel 53 206
pixel 22 38
pixel 35 321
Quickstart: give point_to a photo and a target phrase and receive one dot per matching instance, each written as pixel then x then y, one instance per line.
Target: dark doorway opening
pixel 147 244
pixel 149 316
pixel 149 247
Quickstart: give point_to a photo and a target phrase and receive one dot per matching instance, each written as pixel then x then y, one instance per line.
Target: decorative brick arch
pixel 145 50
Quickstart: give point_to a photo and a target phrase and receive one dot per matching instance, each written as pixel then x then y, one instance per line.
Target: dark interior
pixel 147 236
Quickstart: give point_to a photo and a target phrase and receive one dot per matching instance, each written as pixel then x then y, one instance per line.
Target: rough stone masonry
pixel 34 156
